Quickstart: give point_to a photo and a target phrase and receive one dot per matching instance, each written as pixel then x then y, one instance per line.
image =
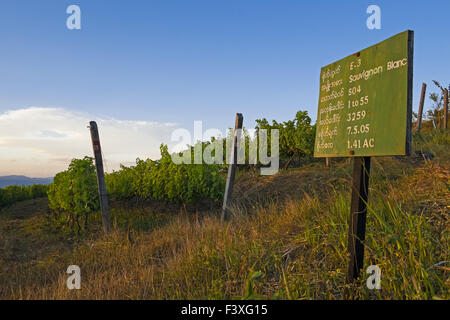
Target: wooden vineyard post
pixel 232 167
pixel 422 100
pixel 100 176
pixel 445 108
pixel 358 212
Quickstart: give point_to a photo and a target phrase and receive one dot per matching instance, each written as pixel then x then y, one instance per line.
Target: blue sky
pixel 179 61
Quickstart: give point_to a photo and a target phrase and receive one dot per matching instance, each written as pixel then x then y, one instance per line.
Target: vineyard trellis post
pixel 422 101
pixel 232 166
pixel 100 176
pixel 445 108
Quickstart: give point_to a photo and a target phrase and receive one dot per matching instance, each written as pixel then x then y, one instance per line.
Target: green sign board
pixel 365 102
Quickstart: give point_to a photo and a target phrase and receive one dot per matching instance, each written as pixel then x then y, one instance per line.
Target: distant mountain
pixel 22 181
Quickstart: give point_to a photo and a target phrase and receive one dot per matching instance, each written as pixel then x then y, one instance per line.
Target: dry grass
pixel 286 240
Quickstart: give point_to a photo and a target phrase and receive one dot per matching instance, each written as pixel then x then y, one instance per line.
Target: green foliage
pixel 296 136
pixel 436 111
pixel 73 195
pixel 13 194
pixel 166 181
pixel 250 293
pixel 296 140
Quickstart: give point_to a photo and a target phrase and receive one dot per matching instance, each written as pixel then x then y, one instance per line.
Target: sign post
pixel 445 109
pixel 100 176
pixel 358 212
pixel 232 166
pixel 365 110
pixel 422 100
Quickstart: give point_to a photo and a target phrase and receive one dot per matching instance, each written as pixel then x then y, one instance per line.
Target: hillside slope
pixel 286 240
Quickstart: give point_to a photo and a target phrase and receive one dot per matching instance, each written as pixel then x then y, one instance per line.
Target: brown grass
pixel 286 240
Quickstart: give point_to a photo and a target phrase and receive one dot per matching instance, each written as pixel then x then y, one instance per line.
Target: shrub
pixel 73 195
pixel 165 181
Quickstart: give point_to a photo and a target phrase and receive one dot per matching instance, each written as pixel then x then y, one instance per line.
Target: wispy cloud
pixel 40 142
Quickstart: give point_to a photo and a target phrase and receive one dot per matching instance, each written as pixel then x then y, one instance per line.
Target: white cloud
pixel 40 142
